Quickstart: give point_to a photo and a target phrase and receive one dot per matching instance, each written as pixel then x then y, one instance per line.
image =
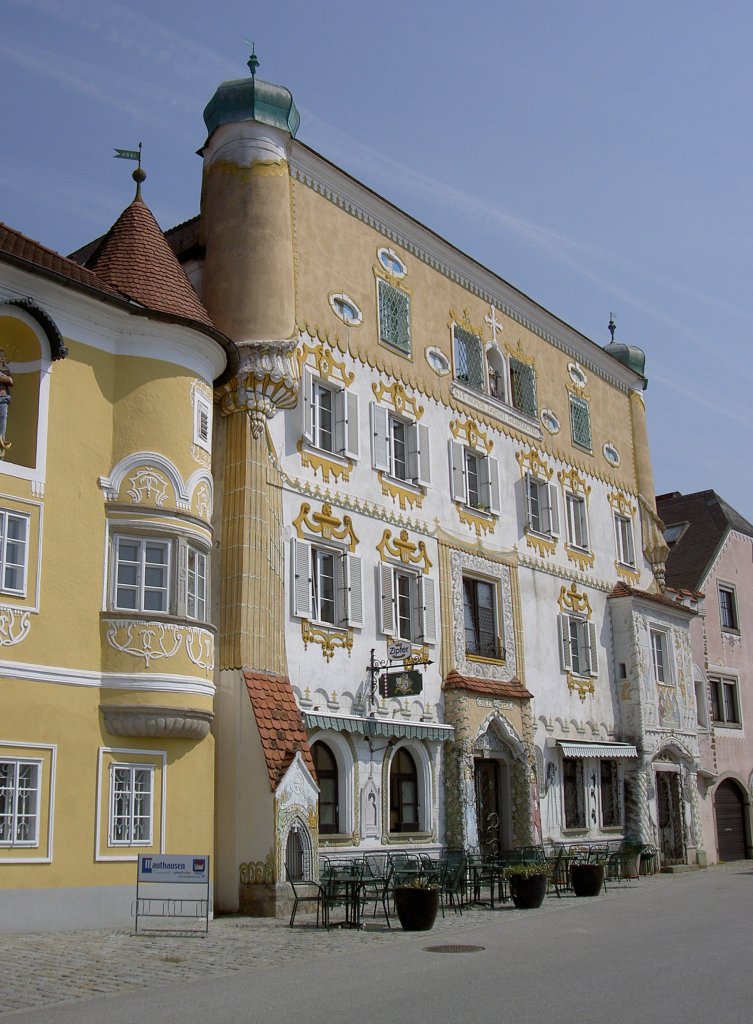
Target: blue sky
pixel 595 154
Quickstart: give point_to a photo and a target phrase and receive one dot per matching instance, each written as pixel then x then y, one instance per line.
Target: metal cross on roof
pixel 494 323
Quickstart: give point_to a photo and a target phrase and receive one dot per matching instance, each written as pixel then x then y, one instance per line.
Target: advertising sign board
pixel 173 867
pixel 401 684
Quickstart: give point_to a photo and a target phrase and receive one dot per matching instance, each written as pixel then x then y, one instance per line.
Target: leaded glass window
pixel 469 362
pixel 394 317
pixel 523 387
pixel 580 422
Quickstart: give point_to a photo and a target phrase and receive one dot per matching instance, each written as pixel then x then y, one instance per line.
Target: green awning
pixel 378 726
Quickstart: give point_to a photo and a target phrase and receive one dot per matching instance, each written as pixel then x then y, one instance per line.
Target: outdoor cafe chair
pixel 306 890
pixel 376 889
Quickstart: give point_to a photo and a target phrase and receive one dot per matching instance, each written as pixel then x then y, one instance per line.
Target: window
pixel 474 478
pixel 391 262
pixel 623 530
pixel 19 802
pixel 580 422
pixel 400 447
pixel 142 574
pixel 326 585
pixel 394 316
pixel 469 361
pixel 480 616
pixel 202 422
pixel 609 777
pixel 523 387
pixel 196 597
pixel 577 521
pixel 572 785
pixel 728 607
pixel 407 605
pixel 346 309
pixel 14 551
pixel 673 533
pixel 660 656
pixel 541 508
pixel 131 789
pixel 725 707
pixel 578 645
pixel 330 416
pixel 326 774
pixel 403 793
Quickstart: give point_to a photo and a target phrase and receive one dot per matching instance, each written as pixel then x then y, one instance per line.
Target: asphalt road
pixel 673 948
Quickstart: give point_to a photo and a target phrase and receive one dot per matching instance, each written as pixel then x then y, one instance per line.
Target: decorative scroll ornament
pixel 148 485
pixel 406 497
pixel 580 685
pixel 398 398
pixel 326 466
pixel 200 647
pixel 472 435
pixel 533 462
pixel 404 550
pixel 622 504
pixel 572 481
pixel 583 559
pixel 481 524
pixel 573 601
pixel 329 639
pixel 204 501
pixel 543 545
pixel 464 321
pixel 155 641
pixel 517 353
pixel 327 526
pixel 15 624
pixel 265 383
pixel 321 358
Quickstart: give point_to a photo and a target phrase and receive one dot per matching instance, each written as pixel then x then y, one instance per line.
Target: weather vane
pixel 133 154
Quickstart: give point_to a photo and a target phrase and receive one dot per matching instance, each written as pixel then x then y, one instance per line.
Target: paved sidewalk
pixel 41 970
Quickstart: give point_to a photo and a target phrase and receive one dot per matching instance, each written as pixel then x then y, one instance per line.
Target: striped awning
pixel 597 749
pixel 378 726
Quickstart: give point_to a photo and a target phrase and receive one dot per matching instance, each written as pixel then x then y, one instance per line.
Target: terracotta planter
pixel 528 893
pixel 587 879
pixel 416 908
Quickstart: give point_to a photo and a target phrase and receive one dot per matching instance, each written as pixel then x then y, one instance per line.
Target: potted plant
pixel 416 904
pixel 586 879
pixel 528 884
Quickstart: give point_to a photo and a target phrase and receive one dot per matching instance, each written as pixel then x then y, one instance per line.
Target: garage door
pixel 730 821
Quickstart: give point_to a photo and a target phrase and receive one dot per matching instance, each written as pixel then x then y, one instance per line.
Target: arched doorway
pixel 669 806
pixel 491 786
pixel 729 814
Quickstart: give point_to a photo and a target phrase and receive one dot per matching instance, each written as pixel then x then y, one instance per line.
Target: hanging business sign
pixel 400 684
pixel 399 650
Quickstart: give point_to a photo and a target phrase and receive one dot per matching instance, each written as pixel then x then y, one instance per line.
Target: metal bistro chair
pixel 376 889
pixel 453 882
pixel 306 890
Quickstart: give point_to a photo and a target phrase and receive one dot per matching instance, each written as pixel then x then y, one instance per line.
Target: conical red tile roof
pixel 134 257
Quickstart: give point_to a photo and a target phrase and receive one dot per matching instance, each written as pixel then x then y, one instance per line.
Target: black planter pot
pixel 587 879
pixel 416 908
pixel 528 893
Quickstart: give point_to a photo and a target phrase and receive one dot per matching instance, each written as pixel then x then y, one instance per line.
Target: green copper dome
pixel 629 355
pixel 249 99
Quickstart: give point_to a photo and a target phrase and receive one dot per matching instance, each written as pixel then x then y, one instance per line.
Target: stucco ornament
pixel 15 624
pixel 147 485
pixel 265 383
pixel 155 641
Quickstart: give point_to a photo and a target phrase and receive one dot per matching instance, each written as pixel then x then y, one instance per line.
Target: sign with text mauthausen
pixel 174 867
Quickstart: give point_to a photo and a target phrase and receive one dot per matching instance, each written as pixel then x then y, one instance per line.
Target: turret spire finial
pixel 139 174
pixel 612 325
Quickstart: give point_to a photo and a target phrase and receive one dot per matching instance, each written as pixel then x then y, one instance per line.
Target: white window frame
pixel 417 446
pixel 140 588
pixel 7 515
pixel 720 683
pixel 661 655
pixel 578 644
pixel 728 588
pixel 197 583
pixel 487 469
pixel 348 597
pixel 624 539
pixel 541 506
pixel 345 425
pixel 576 514
pixel 202 421
pixel 131 769
pixel 15 795
pixel 422 616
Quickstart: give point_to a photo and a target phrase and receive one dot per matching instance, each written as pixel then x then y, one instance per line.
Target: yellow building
pixel 106 641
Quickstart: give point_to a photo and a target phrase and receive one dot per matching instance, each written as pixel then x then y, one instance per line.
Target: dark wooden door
pixel 487 807
pixel 729 810
pixel 671 832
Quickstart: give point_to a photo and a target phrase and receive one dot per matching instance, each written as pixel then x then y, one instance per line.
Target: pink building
pixel 711 550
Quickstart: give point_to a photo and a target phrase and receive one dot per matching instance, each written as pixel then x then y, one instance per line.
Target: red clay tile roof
pixel 25 250
pixel 487 687
pixel 279 721
pixel 673 598
pixel 135 258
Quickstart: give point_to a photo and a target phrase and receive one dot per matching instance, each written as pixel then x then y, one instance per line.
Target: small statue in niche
pixel 6 383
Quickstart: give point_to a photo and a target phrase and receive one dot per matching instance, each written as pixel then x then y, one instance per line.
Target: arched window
pixel 329 801
pixel 294 855
pixel 403 793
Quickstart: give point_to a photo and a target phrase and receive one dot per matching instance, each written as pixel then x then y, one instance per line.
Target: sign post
pixel 164 872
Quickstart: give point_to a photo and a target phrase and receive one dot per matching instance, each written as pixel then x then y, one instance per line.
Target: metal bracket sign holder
pixel 162 876
pixel 400 657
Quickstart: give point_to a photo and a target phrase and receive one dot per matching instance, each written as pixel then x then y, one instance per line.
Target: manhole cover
pixel 453 949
